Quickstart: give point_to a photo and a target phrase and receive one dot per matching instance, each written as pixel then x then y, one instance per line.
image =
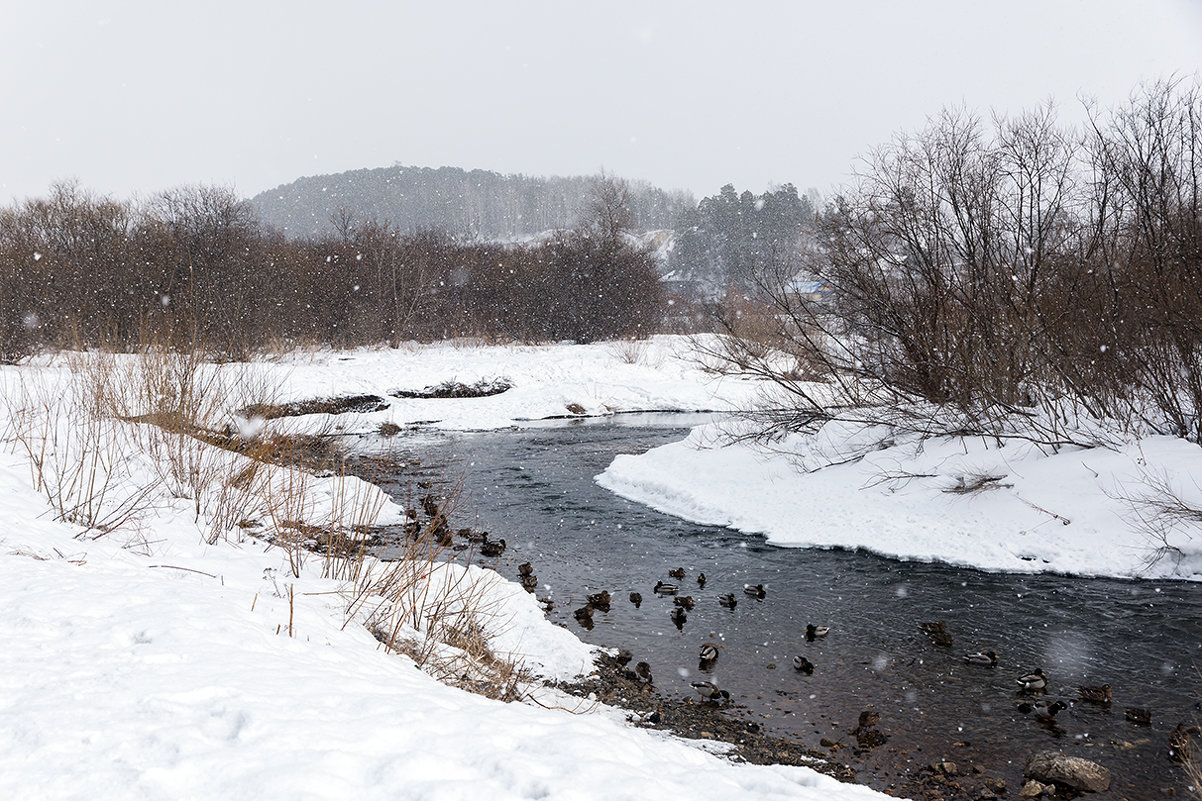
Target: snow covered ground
pixel 156 661
pixel 151 663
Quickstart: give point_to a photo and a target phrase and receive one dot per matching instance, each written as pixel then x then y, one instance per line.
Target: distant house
pixel 810 289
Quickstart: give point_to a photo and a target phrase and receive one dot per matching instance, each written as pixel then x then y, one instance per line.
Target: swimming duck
pixel 1098 695
pixel 636 598
pixel 708 655
pixel 933 627
pixel 803 665
pixel 701 581
pixel 525 569
pixel 940 638
pixel 678 617
pixel 599 600
pixel 676 573
pixel 1045 712
pixel 686 602
pixel 709 692
pixel 584 616
pixel 1138 716
pixel 987 658
pixel 728 600
pixel 492 548
pixel 758 592
pixel 1035 680
pixel 814 632
pixel 1179 742
pixel 663 588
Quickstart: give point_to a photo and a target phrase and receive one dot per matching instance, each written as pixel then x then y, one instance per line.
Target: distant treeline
pixel 466 204
pixel 196 265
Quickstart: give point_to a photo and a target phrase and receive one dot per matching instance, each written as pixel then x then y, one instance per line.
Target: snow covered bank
pixel 962 501
pixel 154 660
pixel 547 381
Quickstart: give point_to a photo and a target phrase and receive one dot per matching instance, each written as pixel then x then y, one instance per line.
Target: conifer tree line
pixel 195 266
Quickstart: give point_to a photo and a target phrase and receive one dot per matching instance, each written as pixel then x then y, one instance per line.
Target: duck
pixel 728 600
pixel 701 581
pixel 933 627
pixel 624 656
pixel 1138 716
pixel 708 654
pixel 642 672
pixel 525 569
pixel 584 616
pixel 1179 742
pixel 709 692
pixel 1035 680
pixel 678 616
pixel 1045 712
pixel 758 592
pixel 636 598
pixel 676 573
pixel 599 600
pixel 803 665
pixel 529 583
pixel 663 588
pixel 1095 694
pixel 492 548
pixel 686 602
pixel 814 632
pixel 986 658
pixel 940 638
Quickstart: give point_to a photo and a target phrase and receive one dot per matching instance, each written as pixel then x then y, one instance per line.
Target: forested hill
pixel 475 203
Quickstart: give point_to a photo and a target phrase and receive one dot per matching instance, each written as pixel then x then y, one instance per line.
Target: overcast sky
pixel 135 97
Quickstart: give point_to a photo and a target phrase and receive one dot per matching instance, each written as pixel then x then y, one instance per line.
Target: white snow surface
pixel 149 663
pixel 1071 510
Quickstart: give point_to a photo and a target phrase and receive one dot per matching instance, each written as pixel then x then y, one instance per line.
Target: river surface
pixel 535 488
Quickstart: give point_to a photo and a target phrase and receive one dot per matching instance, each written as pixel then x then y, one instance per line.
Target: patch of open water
pixel 535 488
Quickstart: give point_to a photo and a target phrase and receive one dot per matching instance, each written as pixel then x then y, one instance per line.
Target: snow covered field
pixel 150 663
pixel 146 663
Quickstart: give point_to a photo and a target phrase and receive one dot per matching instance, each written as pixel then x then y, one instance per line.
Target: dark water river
pixel 535 488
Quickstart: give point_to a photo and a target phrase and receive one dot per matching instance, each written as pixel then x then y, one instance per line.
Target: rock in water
pixel 1075 772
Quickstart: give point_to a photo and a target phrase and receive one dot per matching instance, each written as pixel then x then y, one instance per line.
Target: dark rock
pixel 1074 772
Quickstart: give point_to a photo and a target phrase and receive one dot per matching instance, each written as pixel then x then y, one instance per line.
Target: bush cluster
pixel 194 266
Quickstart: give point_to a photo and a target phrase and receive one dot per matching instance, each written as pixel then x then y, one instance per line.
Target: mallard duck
pixel 814 632
pixel 709 692
pixel 940 638
pixel 492 548
pixel 803 665
pixel 1138 716
pixel 1098 695
pixel 933 627
pixel 663 588
pixel 1179 742
pixel 987 658
pixel 599 600
pixel 642 672
pixel 708 655
pixel 676 573
pixel 1045 712
pixel 1035 680
pixel 529 583
pixel 636 598
pixel 686 602
pixel 525 569
pixel 701 581
pixel 584 616
pixel 728 600
pixel 678 616
pixel 758 592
